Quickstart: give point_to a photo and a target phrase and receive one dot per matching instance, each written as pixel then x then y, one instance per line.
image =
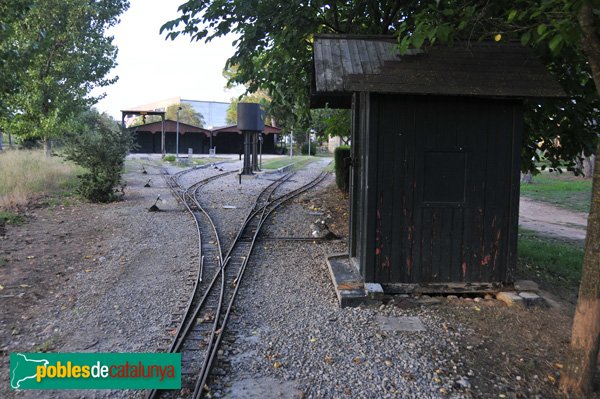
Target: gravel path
pixel 122 297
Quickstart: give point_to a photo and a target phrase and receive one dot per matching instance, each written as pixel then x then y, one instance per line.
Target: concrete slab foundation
pixel 410 324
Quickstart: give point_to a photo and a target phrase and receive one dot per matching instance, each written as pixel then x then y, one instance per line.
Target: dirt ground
pixel 551 220
pixel 514 353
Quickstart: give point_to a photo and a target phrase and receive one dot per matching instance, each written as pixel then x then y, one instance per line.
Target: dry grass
pixel 25 175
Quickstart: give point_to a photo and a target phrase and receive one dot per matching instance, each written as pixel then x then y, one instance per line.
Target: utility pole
pixel 177 136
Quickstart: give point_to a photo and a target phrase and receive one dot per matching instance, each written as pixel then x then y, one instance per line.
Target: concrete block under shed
pixel 349 285
pixel 532 299
pixel 374 291
pixel 526 285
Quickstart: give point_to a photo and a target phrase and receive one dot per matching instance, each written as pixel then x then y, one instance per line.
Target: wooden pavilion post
pixel 162 137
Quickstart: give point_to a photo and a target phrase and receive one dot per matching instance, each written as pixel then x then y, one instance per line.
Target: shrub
pixel 313 149
pixel 169 158
pixel 100 147
pixel 342 167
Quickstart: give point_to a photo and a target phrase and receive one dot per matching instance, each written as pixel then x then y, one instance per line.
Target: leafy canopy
pixel 260 97
pixel 329 122
pixel 187 114
pixel 557 130
pixel 64 54
pixel 274 52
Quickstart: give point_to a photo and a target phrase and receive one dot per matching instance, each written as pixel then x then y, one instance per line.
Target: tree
pixel 556 29
pixel 12 56
pixel 66 55
pixel 329 122
pixel 260 97
pixel 187 115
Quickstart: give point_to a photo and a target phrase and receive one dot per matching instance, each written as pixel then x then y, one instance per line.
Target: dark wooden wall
pixel 226 143
pixel 435 189
pixel 149 143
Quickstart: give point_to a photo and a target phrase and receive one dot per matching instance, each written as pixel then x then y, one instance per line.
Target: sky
pixel 151 69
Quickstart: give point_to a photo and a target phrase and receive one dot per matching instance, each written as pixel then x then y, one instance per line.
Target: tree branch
pixel 590 41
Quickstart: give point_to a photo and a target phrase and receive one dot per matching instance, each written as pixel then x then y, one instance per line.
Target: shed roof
pixel 344 64
pixel 170 126
pixel 234 129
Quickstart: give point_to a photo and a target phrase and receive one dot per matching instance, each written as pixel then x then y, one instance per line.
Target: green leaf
pixel 526 38
pixel 555 43
pixel 417 39
pixel 443 32
pixel 541 29
pixel 404 45
pixel 511 15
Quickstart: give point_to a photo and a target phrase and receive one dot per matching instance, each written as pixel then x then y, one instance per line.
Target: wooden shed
pixel 148 138
pixel 230 140
pixel 435 164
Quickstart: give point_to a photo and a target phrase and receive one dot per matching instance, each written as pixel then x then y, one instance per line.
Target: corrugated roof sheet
pixel 345 64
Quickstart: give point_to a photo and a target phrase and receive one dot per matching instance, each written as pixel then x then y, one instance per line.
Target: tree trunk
pixel 585 338
pixel 526 178
pixel 589 166
pixel 583 354
pixel 47 147
pixel 1 140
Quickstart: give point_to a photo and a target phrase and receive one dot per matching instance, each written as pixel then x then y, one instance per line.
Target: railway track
pixel 216 285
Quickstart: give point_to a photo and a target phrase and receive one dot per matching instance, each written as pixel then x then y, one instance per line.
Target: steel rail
pixel 189 198
pixel 184 195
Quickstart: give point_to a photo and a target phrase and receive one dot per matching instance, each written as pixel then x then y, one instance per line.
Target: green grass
pixel 169 158
pixel 11 218
pixel 204 161
pixel 298 161
pixel 331 167
pixel 27 175
pixel 276 163
pixel 557 262
pixel 565 191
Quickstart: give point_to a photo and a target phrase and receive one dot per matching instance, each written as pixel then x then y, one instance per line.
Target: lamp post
pixel 260 139
pixel 177 136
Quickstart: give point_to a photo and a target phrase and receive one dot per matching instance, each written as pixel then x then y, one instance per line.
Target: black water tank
pixel 250 117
